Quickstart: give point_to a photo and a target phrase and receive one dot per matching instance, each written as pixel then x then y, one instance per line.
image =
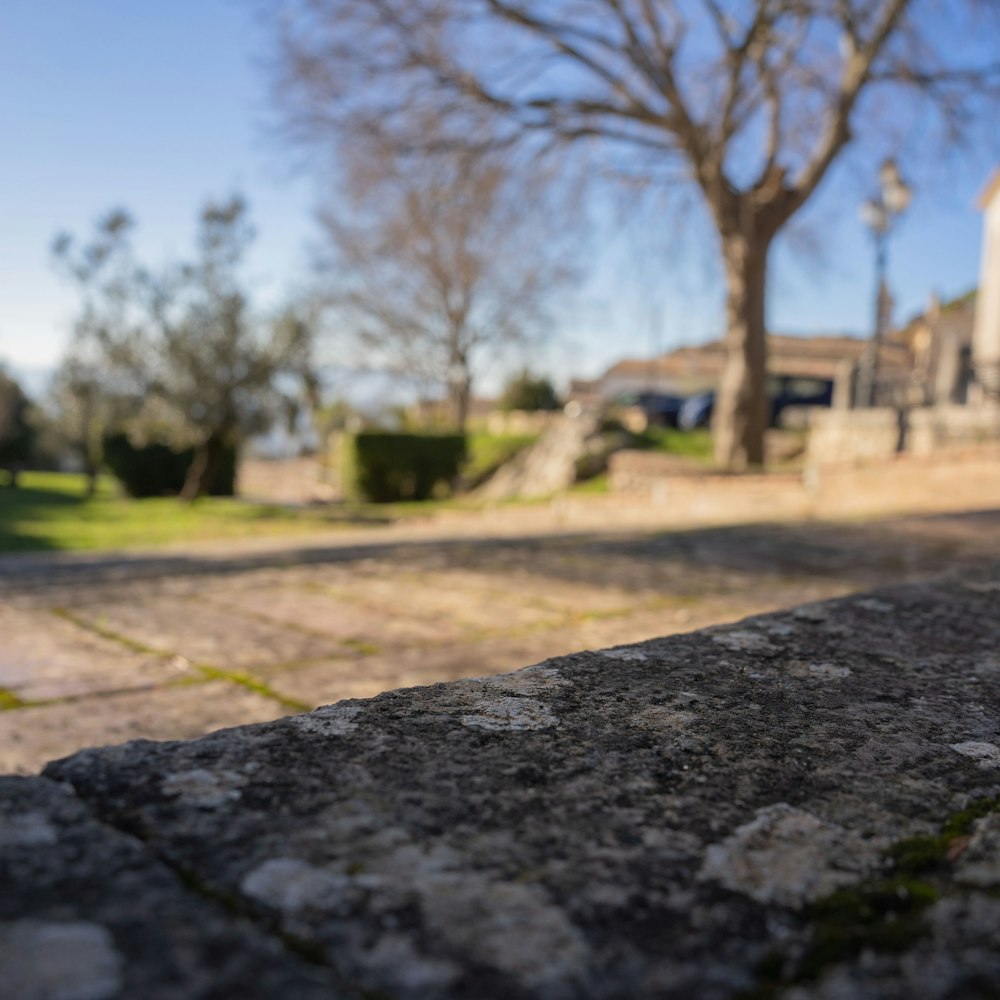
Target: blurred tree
pixel 89 395
pixel 81 411
pixel 183 346
pixel 439 259
pixel 16 431
pixel 749 101
pixel 526 392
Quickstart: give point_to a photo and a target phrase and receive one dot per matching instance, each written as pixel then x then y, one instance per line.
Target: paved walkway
pixel 107 648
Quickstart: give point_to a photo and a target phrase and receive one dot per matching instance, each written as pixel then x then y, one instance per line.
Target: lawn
pixel 487 452
pixel 51 511
pixel 696 444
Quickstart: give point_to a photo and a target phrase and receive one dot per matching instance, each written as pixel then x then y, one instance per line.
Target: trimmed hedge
pixel 155 470
pixel 385 467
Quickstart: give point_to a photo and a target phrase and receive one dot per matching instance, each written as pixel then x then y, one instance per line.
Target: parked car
pixel 784 390
pixel 696 411
pixel 660 408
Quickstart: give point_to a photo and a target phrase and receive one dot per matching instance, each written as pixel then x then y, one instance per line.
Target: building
pixel 689 370
pixel 940 344
pixel 986 332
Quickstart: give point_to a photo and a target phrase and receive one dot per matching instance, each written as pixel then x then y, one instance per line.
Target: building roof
pixel 805 357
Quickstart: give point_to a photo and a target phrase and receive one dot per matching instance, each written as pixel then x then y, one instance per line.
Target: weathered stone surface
pixel 88 913
pixel 701 815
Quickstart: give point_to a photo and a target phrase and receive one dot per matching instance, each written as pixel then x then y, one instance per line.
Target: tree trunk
pixel 461 393
pixel 90 470
pixel 742 410
pixel 203 469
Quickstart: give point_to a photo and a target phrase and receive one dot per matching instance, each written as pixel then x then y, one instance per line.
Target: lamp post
pixel 879 214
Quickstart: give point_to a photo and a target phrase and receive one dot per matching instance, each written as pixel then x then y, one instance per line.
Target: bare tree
pixel 751 101
pixel 441 258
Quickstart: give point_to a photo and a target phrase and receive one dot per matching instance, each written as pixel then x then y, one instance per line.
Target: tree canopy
pixel 441 260
pixel 529 392
pixel 181 348
pixel 749 101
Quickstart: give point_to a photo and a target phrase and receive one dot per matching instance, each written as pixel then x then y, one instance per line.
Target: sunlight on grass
pixel 696 444
pixel 488 451
pixel 51 511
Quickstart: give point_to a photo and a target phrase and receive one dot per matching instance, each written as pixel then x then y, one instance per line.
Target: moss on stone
pixel 916 855
pixel 883 913
pixel 960 823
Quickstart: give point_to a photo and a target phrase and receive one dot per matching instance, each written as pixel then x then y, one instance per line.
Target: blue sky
pixel 159 105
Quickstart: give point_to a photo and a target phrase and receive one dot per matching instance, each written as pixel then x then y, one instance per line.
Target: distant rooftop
pixel 807 357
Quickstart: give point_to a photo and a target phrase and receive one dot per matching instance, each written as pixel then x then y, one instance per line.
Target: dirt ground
pixel 105 649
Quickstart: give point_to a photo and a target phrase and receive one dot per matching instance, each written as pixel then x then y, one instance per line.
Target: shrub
pixel 525 392
pixel 156 470
pixel 386 467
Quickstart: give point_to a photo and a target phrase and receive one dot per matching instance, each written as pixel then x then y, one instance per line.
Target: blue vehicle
pixel 696 411
pixel 660 408
pixel 784 390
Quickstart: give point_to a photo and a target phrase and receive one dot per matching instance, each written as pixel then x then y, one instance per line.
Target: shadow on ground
pixel 22 507
pixel 864 553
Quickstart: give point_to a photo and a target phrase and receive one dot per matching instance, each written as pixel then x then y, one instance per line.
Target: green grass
pixel 591 487
pixel 696 444
pixel 488 451
pixel 51 511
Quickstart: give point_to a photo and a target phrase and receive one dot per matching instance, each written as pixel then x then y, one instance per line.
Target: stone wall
pixel 951 479
pixel 941 428
pixel 873 436
pixel 800 804
pixel 839 437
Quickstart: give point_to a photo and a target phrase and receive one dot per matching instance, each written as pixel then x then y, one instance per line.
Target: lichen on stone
pixel 744 640
pixel 59 960
pixel 988 754
pixel 538 679
pixel 30 829
pixel 291 885
pixel 503 713
pixel 788 856
pixel 331 720
pixel 625 653
pixel 204 788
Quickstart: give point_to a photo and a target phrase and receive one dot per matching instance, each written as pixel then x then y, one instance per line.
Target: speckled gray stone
pixel 88 912
pixel 646 821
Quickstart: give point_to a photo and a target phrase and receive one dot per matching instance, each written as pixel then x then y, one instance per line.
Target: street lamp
pixel 878 214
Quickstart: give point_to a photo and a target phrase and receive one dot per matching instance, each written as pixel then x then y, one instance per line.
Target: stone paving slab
pixel 43 655
pixel 86 913
pixel 31 736
pixel 296 619
pixel 799 805
pixel 202 631
pixel 346 617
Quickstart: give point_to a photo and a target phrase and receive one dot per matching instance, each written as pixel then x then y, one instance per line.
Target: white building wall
pixel 986 332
